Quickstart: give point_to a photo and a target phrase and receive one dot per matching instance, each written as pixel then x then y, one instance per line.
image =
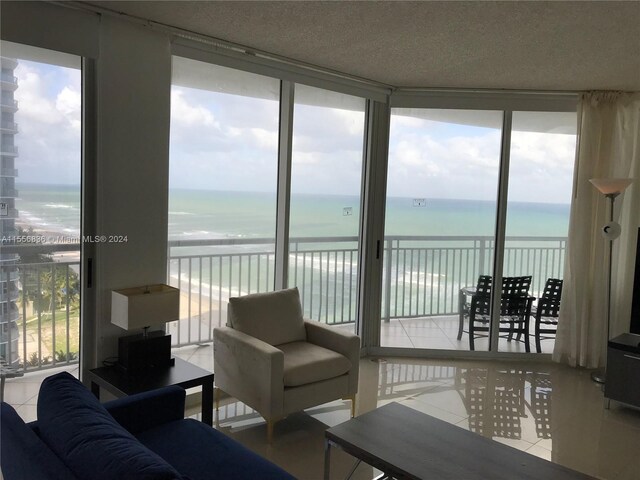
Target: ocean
pixel 422 276
pixel 197 214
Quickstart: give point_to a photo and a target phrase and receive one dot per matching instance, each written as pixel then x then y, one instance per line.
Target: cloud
pixel 184 114
pixel 438 160
pixel 318 129
pixel 239 150
pixel 49 119
pixel 69 104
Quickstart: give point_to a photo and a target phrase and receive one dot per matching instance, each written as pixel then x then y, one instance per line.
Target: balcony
pixel 8 313
pixel 8 62
pixel 9 296
pixel 8 150
pixel 9 82
pixel 9 127
pixel 9 273
pixel 11 214
pixel 422 279
pixel 8 172
pixel 9 105
pixel 8 192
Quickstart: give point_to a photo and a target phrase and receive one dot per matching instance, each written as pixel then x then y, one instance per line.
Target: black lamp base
pixel 140 352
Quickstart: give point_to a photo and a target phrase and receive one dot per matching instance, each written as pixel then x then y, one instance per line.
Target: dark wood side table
pixel 121 383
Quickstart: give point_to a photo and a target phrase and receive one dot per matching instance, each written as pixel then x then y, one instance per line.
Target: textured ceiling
pixel 512 45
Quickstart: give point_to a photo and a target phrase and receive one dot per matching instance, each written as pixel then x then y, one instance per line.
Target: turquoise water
pixel 425 276
pixel 198 214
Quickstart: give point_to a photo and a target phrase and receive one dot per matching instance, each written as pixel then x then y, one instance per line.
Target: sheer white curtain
pixel 608 147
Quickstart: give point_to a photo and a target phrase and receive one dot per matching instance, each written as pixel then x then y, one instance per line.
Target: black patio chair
pixel 547 311
pixel 515 309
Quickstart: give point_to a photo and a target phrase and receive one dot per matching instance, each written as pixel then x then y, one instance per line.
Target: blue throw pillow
pixel 91 443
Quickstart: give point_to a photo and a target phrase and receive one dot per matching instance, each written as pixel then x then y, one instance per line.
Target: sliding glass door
pixel 326 184
pixel 446 171
pixel 463 195
pixel 40 207
pixel 541 161
pixel 440 218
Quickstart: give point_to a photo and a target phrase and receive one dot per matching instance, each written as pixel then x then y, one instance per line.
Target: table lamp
pixel 139 308
pixel 610 188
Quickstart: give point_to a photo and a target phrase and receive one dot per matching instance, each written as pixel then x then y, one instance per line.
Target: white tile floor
pixel 549 410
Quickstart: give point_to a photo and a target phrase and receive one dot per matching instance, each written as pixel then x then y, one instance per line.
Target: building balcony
pixel 9 274
pixel 8 193
pixel 9 333
pixel 10 315
pixel 8 172
pixel 11 295
pixel 8 258
pixel 9 105
pixel 9 351
pixel 10 150
pixel 8 82
pixel 12 214
pixel 7 62
pixel 8 127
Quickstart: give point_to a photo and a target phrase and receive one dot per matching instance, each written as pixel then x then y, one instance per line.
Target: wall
pixel 133 110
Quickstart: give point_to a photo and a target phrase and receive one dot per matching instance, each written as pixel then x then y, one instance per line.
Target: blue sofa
pixel 141 437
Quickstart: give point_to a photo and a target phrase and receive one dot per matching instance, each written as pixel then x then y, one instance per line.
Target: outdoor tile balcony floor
pixel 441 333
pixel 22 392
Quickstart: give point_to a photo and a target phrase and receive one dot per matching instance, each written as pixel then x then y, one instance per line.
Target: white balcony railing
pixel 422 275
pixel 422 278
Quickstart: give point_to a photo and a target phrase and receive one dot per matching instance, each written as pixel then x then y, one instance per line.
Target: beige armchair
pixel 273 360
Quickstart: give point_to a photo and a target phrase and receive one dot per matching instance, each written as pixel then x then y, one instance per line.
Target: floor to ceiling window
pixel 326 184
pixel 442 218
pixel 458 204
pixel 222 191
pixel 541 161
pixel 440 222
pixel 40 200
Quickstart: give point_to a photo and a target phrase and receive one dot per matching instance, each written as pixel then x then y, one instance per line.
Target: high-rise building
pixel 9 292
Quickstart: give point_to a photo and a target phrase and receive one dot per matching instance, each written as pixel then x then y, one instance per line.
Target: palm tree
pixel 47 288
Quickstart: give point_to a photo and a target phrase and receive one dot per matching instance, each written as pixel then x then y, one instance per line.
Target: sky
pixel 49 121
pixel 224 141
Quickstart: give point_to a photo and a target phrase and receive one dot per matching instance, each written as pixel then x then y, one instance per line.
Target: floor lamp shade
pixel 140 307
pixel 611 186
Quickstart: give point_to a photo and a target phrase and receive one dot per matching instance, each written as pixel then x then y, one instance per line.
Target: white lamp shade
pixel 139 307
pixel 608 186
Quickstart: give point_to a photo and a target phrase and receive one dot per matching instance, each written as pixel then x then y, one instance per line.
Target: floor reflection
pixel 494 400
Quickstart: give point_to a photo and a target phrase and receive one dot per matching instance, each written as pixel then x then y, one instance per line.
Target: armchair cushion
pixel 306 363
pixel 273 317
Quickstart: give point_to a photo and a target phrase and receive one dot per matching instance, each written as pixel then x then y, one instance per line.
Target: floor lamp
pixel 610 188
